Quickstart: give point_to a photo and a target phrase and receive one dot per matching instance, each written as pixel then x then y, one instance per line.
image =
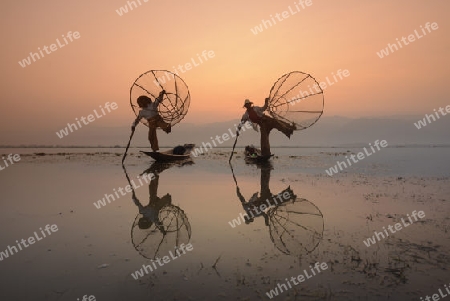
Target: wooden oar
pixel 128 145
pixel 234 145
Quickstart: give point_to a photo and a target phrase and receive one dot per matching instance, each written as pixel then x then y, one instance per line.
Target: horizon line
pixel 240 146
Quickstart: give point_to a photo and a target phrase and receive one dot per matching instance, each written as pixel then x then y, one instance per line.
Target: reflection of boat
pixel 158 167
pixel 253 155
pixel 295 224
pixel 159 227
pixel 174 154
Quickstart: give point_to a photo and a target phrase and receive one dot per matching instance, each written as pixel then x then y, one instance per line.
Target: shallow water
pixel 409 160
pixel 95 251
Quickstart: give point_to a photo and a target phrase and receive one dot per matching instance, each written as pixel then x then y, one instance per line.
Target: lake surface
pixel 323 220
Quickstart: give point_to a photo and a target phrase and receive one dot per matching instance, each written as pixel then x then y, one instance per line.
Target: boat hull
pixel 169 156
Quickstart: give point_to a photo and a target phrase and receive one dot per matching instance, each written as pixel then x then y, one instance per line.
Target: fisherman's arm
pixel 136 121
pixel 160 97
pixel 266 104
pixel 254 125
pixel 244 119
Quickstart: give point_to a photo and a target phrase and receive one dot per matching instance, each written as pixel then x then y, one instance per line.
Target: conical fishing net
pixel 175 103
pixel 296 98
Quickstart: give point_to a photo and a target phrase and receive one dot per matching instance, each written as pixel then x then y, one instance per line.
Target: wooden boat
pixel 169 156
pixel 253 155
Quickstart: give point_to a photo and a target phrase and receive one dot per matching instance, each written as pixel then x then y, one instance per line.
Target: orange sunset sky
pixel 113 50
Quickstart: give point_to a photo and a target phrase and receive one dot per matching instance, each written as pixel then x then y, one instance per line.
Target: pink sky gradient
pixel 113 50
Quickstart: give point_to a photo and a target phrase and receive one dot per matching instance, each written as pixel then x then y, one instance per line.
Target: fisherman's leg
pixel 264 182
pixel 265 145
pixel 287 125
pixel 153 189
pixel 268 122
pixel 166 127
pixel 153 138
pixel 281 126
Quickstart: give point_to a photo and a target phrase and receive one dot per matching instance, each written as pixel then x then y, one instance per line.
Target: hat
pixel 247 102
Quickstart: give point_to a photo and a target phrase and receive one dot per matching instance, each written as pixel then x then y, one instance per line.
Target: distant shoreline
pixel 229 147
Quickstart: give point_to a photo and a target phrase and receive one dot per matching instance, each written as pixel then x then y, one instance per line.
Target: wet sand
pixel 93 252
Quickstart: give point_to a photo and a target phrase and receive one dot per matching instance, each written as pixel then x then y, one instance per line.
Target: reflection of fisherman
pixel 256 116
pixel 256 206
pixel 150 213
pixel 159 226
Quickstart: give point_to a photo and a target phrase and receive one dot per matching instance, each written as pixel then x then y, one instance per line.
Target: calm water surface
pixel 95 251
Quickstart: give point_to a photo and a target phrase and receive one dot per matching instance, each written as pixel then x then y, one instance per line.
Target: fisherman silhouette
pixel 150 213
pixel 255 115
pixel 149 111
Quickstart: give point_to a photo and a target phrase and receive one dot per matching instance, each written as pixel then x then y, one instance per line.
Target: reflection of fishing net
pixel 171 220
pixel 296 227
pixel 157 241
pixel 175 103
pixel 297 98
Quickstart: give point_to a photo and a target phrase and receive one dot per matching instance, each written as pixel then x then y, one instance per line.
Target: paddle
pixel 128 145
pixel 234 145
